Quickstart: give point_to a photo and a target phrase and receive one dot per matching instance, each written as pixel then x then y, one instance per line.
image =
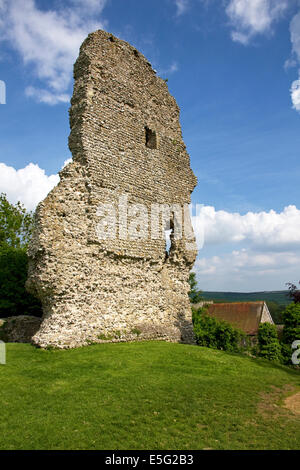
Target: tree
pixel 291 319
pixel 14 299
pixel 294 293
pixel 275 310
pixel 269 346
pixel 16 224
pixel 213 333
pixel 291 330
pixel 15 231
pixel 195 295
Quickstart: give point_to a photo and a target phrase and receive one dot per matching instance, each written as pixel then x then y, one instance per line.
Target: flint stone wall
pixel 19 329
pixel 113 290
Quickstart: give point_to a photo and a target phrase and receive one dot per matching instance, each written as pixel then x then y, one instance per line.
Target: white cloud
pixel 295 35
pixel 295 59
pixel 171 69
pixel 266 250
pixel 66 162
pixel 45 96
pixel 295 94
pixel 246 270
pixel 267 244
pixel 261 230
pixel 289 63
pixel 252 17
pixel 29 185
pixel 182 6
pixel 240 37
pixel 94 6
pixel 48 41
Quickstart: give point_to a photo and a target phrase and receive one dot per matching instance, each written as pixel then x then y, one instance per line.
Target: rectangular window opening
pixel 151 139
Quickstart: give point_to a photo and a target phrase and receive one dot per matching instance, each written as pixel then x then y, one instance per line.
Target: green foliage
pixel 15 231
pixel 15 224
pixel 291 330
pixel 14 299
pixel 276 311
pixel 136 331
pixel 291 320
pixel 294 293
pixel 195 295
pixel 217 334
pixel 104 337
pixel 269 346
pixel 286 352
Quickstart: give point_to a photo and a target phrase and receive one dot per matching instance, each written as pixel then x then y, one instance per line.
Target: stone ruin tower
pixel 127 146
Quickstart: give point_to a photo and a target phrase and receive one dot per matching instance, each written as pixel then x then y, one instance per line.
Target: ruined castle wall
pixel 126 142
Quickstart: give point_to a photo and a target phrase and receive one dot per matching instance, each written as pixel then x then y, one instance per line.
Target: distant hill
pixel 279 296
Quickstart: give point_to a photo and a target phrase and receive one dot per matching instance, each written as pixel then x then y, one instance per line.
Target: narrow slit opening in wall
pixel 151 138
pixel 169 231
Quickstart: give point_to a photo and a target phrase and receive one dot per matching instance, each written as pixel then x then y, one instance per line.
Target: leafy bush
pixel 291 320
pixel 294 293
pixel 14 300
pixel 291 330
pixel 195 295
pixel 217 334
pixel 16 224
pixel 15 232
pixel 269 346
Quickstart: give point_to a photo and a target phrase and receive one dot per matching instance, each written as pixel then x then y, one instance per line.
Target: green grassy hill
pixel 147 395
pixel 268 296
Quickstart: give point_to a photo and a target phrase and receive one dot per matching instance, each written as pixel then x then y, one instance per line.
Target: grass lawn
pixel 147 395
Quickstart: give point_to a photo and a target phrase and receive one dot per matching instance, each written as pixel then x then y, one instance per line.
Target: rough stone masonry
pixel 126 142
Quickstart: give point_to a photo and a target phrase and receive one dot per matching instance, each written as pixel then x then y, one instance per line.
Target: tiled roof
pixel 243 315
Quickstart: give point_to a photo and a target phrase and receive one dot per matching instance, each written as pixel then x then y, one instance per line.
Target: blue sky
pixel 233 67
